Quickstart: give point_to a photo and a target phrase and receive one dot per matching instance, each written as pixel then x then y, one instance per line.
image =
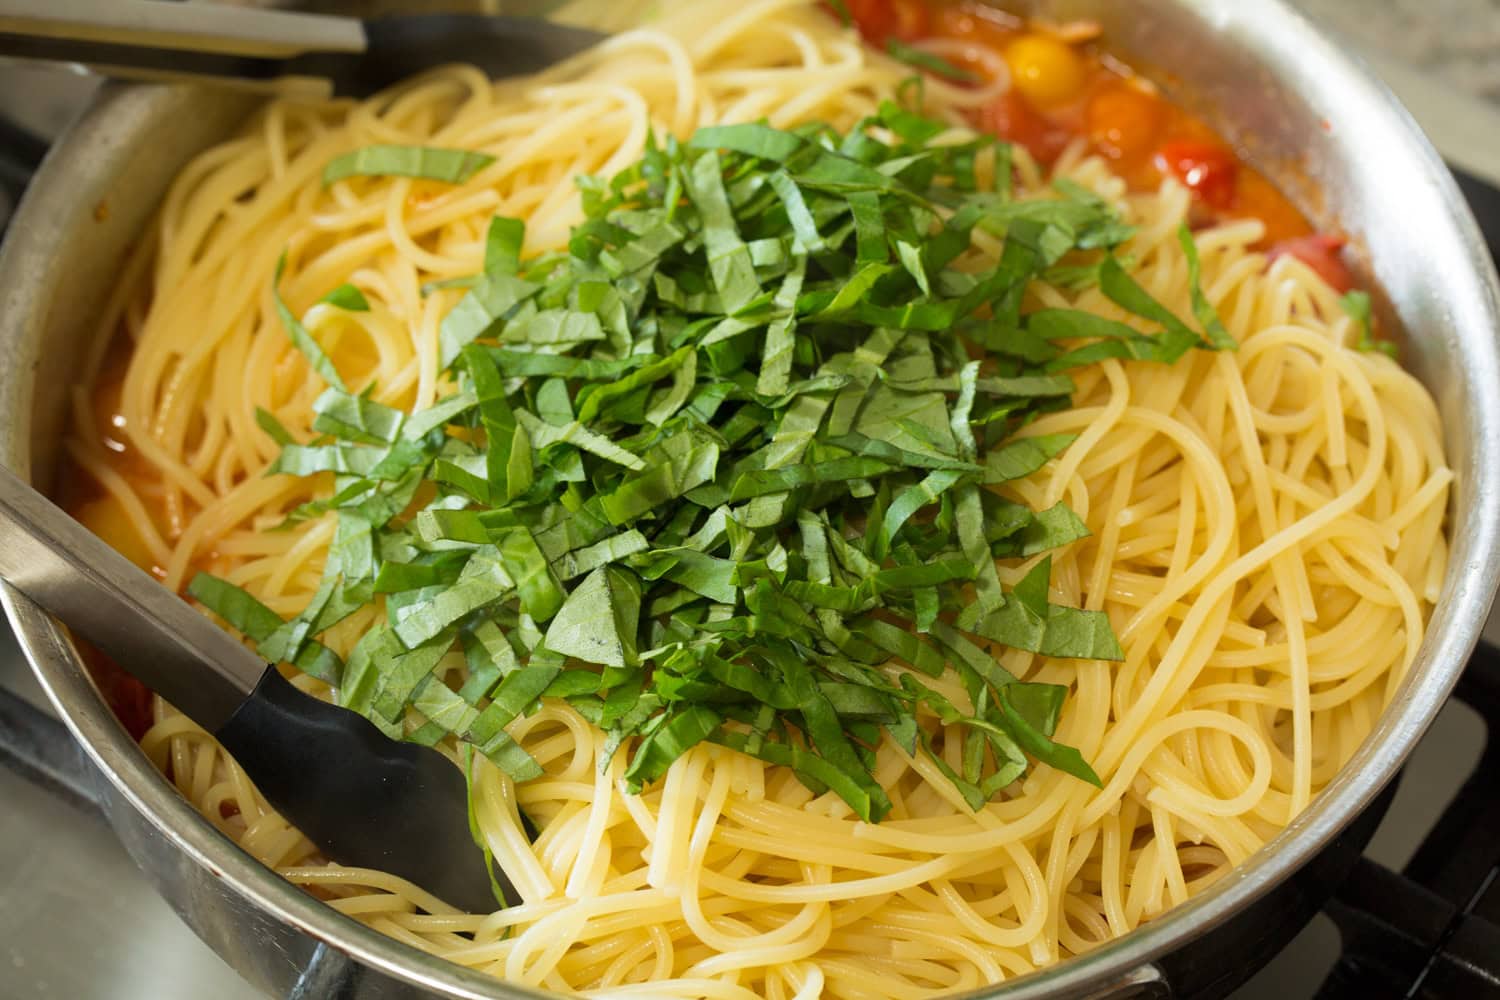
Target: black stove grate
pixel 1433 930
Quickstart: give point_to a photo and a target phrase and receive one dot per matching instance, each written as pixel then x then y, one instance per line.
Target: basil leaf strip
pixel 452 166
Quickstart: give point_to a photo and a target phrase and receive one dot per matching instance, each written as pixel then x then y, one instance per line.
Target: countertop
pixel 1454 41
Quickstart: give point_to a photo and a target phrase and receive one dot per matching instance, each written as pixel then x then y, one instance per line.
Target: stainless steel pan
pixel 1313 119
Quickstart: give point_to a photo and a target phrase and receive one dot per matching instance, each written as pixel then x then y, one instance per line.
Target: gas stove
pixel 1418 917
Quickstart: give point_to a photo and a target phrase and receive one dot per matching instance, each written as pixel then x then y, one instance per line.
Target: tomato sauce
pixel 1065 87
pixel 81 495
pixel 127 697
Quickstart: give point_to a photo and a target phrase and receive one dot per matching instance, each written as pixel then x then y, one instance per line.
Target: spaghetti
pixel 1267 539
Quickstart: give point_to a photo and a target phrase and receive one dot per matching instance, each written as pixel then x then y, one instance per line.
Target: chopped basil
pixel 348 298
pixel 720 471
pixel 1203 310
pixel 934 64
pixel 258 622
pixel 1357 305
pixel 266 421
pixel 303 340
pixel 453 166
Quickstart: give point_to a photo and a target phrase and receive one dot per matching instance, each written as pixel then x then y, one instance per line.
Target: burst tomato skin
pixel 1011 118
pixel 1320 252
pixel 1207 168
pixel 881 20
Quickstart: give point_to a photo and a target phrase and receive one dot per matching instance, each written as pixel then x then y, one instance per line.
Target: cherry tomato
pixel 1012 119
pixel 1320 251
pixel 1123 121
pixel 1046 71
pixel 881 20
pixel 1208 169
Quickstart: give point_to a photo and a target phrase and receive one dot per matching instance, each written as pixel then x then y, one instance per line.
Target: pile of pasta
pixel 1267 540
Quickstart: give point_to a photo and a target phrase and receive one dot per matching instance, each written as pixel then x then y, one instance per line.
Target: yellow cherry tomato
pixel 1046 72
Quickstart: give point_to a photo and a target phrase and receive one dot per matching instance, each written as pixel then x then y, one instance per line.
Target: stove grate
pixel 1433 930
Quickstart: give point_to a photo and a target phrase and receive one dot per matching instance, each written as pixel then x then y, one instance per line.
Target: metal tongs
pixel 313 55
pixel 364 799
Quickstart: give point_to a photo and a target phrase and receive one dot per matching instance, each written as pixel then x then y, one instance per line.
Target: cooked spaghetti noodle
pixel 1267 538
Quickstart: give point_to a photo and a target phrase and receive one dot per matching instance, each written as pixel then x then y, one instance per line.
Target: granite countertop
pixel 1455 41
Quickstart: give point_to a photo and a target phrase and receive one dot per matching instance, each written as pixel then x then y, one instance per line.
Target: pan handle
pixel 40 749
pixel 1145 982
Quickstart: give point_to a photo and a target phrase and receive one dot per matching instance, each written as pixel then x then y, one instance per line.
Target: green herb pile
pixel 722 470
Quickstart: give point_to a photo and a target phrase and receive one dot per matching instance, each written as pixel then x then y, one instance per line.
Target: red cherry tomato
pixel 1320 251
pixel 1208 169
pixel 881 20
pixel 1012 119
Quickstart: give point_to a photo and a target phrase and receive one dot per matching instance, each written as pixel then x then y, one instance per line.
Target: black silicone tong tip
pixel 368 801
